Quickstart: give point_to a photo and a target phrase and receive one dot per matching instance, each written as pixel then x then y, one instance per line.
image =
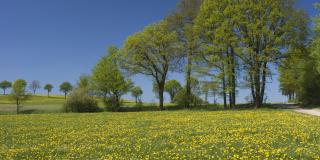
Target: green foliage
pixel 19 92
pixel 80 101
pixel 309 92
pixel 172 87
pixel 136 92
pixel 181 98
pixel 152 52
pixel 84 82
pixel 255 31
pixel 109 81
pixel 315 49
pixel 209 88
pixel 48 87
pixel 65 87
pixel 5 85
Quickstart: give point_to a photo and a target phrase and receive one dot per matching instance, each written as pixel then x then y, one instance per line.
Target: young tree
pixel 108 79
pixel 219 43
pixel 172 87
pixel 5 85
pixel 49 88
pixel 84 82
pixel 19 92
pixel 153 52
pixel 136 92
pixel 65 87
pixel 34 86
pixel 182 21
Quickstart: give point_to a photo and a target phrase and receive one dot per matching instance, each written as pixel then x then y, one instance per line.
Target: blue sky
pixel 58 40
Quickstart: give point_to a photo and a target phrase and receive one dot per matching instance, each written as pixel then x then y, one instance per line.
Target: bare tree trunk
pixel 4 91
pixel 161 99
pixel 264 76
pixel 224 92
pixel 188 78
pixel 17 101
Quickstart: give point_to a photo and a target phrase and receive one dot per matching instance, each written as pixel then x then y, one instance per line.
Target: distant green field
pixel 257 134
pixel 53 104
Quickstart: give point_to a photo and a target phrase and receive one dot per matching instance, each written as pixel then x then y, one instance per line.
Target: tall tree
pixel 19 92
pixel 137 92
pixel 153 52
pixel 108 79
pixel 5 85
pixel 315 48
pixel 255 31
pixel 172 87
pixel 48 88
pixel 65 87
pixel 34 86
pixel 182 21
pixel 215 27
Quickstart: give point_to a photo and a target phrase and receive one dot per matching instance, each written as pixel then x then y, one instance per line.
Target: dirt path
pixel 297 108
pixel 315 112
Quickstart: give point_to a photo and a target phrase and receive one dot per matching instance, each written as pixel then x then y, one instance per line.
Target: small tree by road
pixel 5 85
pixel 19 92
pixel 48 88
pixel 65 87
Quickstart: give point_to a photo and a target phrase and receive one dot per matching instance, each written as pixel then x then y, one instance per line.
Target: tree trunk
pixel 17 101
pixel 48 94
pixel 188 78
pixel 161 99
pixel 233 79
pixel 224 92
pixel 65 95
pixel 171 98
pixel 264 76
pixel 4 91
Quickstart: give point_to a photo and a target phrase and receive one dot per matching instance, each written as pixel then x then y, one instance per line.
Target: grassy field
pixel 35 104
pixel 256 134
pixel 54 104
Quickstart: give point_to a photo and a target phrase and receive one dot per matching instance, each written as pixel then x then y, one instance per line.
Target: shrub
pixel 80 101
pixel 181 99
pixel 113 104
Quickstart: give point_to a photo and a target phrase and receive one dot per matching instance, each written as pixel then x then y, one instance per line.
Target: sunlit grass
pixel 244 134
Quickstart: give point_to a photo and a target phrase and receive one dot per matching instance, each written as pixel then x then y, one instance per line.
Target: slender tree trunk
pixel 17 101
pixel 188 78
pixel 65 95
pixel 4 91
pixel 48 94
pixel 263 86
pixel 233 78
pixel 136 100
pixel 161 99
pixel 171 98
pixel 224 92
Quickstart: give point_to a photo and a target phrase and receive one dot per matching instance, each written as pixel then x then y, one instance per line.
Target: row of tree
pixel 65 87
pixel 235 43
pixel 300 71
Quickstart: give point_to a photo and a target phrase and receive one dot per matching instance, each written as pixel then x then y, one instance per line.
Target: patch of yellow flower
pixel 260 134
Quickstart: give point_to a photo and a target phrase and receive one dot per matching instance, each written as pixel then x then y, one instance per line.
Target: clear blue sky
pixel 58 40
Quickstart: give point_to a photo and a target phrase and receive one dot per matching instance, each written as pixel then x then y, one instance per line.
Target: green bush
pixel 113 104
pixel 181 99
pixel 80 101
